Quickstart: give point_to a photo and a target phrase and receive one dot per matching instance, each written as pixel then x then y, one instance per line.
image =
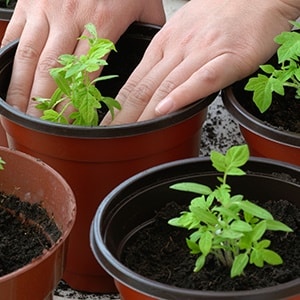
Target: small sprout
pixel 75 88
pixel 227 226
pixel 275 80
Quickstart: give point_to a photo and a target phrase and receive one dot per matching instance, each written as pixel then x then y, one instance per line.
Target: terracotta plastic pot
pixel 95 160
pixel 32 180
pixel 133 204
pixel 262 139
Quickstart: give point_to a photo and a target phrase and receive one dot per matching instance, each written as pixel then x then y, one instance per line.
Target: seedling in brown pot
pixel 76 89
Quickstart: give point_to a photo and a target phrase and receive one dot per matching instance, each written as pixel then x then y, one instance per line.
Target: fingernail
pixel 165 106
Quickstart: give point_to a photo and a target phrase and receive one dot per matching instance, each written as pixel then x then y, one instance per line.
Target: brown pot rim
pixel 6 57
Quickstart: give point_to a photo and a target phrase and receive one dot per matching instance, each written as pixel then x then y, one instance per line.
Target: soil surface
pixel 26 231
pixel 159 252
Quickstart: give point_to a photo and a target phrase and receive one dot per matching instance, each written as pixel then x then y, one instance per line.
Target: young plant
pixel 288 75
pixel 227 226
pixel 76 89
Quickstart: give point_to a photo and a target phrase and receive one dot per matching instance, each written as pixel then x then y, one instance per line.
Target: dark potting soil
pixel 26 231
pixel 159 252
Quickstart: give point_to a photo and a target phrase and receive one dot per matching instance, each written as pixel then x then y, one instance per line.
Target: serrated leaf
pixel 290 46
pixel 218 161
pixel 262 89
pixel 269 69
pixel 237 156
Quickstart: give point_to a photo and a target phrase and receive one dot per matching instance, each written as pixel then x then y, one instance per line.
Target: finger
pixel 178 75
pixel 30 46
pixel 138 91
pixel 59 42
pixel 213 76
pixel 14 28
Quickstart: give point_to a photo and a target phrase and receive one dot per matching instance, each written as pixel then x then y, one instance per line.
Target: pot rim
pixel 254 124
pixel 130 129
pixel 133 280
pixel 6 14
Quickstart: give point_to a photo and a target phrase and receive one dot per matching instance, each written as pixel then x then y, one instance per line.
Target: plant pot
pixel 95 160
pixel 263 140
pixel 32 180
pixel 5 15
pixel 133 204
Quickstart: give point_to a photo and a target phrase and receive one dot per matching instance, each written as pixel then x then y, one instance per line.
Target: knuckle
pixel 167 87
pixel 209 74
pixel 140 93
pixel 70 7
pixel 27 52
pixel 47 63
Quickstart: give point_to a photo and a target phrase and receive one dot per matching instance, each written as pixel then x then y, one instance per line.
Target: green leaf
pixel 278 226
pixel 218 161
pixel 263 244
pixel 240 226
pixel 239 264
pixel 258 231
pixel 262 89
pixel 237 156
pixel 271 257
pixel 230 234
pixel 256 258
pixel 205 242
pixel 290 46
pixel 194 247
pixel 199 263
pixel 255 210
pixel 269 69
pixel 192 187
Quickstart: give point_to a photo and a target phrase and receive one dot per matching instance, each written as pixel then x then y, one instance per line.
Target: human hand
pixel 206 46
pixel 49 28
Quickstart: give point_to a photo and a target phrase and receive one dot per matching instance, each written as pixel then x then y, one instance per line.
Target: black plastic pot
pixel 133 203
pixel 6 13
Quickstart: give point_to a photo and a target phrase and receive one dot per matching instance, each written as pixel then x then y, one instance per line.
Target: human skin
pixel 206 46
pixel 203 48
pixel 49 28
